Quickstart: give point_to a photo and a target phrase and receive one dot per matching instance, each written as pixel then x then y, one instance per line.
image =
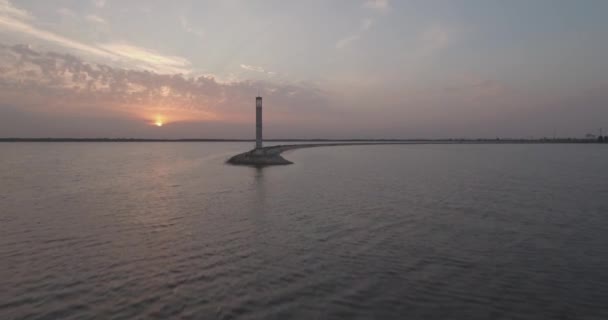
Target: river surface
pixel 168 231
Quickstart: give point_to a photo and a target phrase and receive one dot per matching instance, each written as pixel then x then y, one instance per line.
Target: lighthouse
pixel 258 123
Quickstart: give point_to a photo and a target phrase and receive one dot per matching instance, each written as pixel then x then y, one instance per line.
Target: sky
pixel 325 68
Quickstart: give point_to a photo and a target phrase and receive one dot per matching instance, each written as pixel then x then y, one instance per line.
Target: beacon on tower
pixel 258 122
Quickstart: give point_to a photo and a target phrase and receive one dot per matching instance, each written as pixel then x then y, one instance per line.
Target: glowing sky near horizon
pixel 326 69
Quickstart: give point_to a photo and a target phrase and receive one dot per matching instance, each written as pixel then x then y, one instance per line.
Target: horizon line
pixel 67 139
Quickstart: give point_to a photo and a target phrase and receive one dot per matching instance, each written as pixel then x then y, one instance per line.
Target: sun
pixel 159 121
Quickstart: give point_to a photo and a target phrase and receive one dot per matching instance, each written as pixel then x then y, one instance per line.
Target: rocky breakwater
pixel 269 156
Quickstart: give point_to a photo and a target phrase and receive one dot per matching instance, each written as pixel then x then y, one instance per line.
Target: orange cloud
pixel 65 83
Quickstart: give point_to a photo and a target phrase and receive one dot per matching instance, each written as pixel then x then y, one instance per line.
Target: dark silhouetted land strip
pixel 435 141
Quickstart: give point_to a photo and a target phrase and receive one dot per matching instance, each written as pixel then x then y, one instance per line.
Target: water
pixel 167 231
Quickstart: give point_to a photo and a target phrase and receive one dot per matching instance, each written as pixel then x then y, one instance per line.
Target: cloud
pixel 252 68
pixel 380 5
pixel 99 3
pixel 66 12
pixel 95 19
pixel 7 9
pixel 344 42
pixel 16 20
pixel 429 42
pixel 25 28
pixel 63 95
pixel 436 37
pixel 45 81
pixel 433 40
pixel 187 26
pixel 148 59
pixel 92 18
pixel 366 24
pixel 257 69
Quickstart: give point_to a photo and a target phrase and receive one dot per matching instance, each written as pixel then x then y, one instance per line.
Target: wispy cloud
pixel 188 27
pixel 17 20
pixel 344 42
pixel 95 19
pixel 16 25
pixel 7 9
pixel 148 59
pixel 257 69
pixel 433 40
pixel 365 25
pixel 380 5
pixel 66 12
pixel 252 68
pixel 99 3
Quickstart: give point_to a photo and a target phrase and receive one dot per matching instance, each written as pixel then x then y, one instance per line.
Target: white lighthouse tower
pixel 258 123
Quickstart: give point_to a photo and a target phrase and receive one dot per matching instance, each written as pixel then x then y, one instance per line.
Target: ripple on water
pixel 167 231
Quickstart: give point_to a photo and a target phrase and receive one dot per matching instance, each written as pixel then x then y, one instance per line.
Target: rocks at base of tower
pixel 260 157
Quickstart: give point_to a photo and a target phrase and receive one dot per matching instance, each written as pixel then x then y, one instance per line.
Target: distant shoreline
pixel 433 141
